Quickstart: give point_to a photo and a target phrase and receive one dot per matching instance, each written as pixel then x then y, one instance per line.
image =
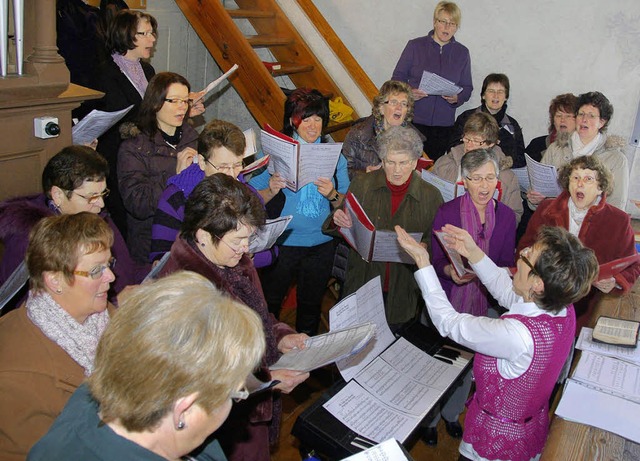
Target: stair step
pixel 258 14
pixel 268 40
pixel 288 68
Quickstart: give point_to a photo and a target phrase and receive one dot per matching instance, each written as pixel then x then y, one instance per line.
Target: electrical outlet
pixel 46 127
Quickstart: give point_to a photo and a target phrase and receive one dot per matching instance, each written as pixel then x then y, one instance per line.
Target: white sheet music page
pixel 543 178
pixel 365 305
pixel 609 375
pixel 447 189
pixel 265 237
pixel 317 161
pixel 522 174
pixel 586 343
pixel 363 413
pixel 435 85
pixel 387 249
pixel 389 450
pixel 284 157
pixel 95 124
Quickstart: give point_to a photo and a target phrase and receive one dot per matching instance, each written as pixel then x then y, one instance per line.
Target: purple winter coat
pixel 19 215
pixel 451 61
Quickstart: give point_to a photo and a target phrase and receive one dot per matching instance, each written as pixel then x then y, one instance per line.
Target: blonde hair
pixel 451 9
pixel 171 338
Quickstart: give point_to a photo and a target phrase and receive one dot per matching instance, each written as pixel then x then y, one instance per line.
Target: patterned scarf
pixel 133 71
pixel 472 297
pixel 78 340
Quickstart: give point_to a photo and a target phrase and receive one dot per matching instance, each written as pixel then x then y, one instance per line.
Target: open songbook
pixel 454 257
pixel 620 332
pixel 371 243
pixel 538 177
pixel 265 237
pixel 299 164
pixel 324 349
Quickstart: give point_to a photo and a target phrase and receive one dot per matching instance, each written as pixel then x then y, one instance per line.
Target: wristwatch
pixel 335 197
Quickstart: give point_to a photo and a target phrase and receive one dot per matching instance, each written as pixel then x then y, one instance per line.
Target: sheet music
pixel 251 147
pixel 603 411
pixel 217 82
pixel 95 124
pixel 435 85
pixel 523 178
pixel 586 343
pixel 447 189
pixel 284 157
pixel 389 450
pixel 387 249
pixel 609 375
pixel 366 415
pixel 543 178
pixel 365 305
pixel 453 255
pixel 265 237
pixel 323 349
pixel 316 161
pixel 396 389
pixel 419 365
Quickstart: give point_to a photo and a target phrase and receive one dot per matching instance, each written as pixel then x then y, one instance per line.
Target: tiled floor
pixel 309 391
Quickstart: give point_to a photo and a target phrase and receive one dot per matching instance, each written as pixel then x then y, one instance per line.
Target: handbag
pixel 339 112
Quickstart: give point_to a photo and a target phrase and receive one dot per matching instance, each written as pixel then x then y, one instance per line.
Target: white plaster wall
pixel 545 47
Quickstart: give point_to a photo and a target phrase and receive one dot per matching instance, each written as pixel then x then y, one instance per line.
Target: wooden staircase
pixel 254 80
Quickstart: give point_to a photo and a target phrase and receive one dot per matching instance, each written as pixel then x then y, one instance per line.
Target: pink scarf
pixel 471 297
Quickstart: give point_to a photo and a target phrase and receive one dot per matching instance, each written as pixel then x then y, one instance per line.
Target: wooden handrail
pixel 342 53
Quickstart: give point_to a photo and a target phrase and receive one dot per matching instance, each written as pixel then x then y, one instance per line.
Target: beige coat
pixel 37 378
pixel 448 167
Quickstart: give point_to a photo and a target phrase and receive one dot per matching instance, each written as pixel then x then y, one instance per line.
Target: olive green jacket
pixel 415 214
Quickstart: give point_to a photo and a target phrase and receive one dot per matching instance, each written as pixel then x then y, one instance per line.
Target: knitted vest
pixel 508 418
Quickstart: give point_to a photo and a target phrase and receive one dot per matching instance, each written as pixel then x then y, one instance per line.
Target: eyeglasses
pixel 396 103
pixel 524 258
pixel 587 115
pixel 241 250
pixel 92 199
pixel 492 91
pixel 98 271
pixel 240 395
pixel 230 168
pixel 491 178
pixel 148 33
pixel 186 101
pixel 587 180
pixel 402 165
pixel 444 23
pixel 563 116
pixel 467 140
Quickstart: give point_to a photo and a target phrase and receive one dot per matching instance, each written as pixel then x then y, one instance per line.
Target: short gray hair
pixel 474 159
pixel 400 139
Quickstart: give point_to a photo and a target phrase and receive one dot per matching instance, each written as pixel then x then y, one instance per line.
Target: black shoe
pixel 430 435
pixel 454 429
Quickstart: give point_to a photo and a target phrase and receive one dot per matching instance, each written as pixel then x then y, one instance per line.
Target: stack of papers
pixel 608 378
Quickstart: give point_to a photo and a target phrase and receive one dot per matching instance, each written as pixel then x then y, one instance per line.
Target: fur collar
pixel 610 141
pixel 20 214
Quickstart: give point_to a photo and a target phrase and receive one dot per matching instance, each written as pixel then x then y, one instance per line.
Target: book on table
pixel 616 331
pixel 298 163
pixel 372 244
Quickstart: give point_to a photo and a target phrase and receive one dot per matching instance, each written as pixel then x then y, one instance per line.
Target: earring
pixel 201 244
pixel 181 425
pixel 59 291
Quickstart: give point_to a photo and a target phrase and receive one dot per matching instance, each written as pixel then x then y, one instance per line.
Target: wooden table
pixel 569 441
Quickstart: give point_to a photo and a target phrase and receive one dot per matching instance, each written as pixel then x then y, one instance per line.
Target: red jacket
pixel 605 229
